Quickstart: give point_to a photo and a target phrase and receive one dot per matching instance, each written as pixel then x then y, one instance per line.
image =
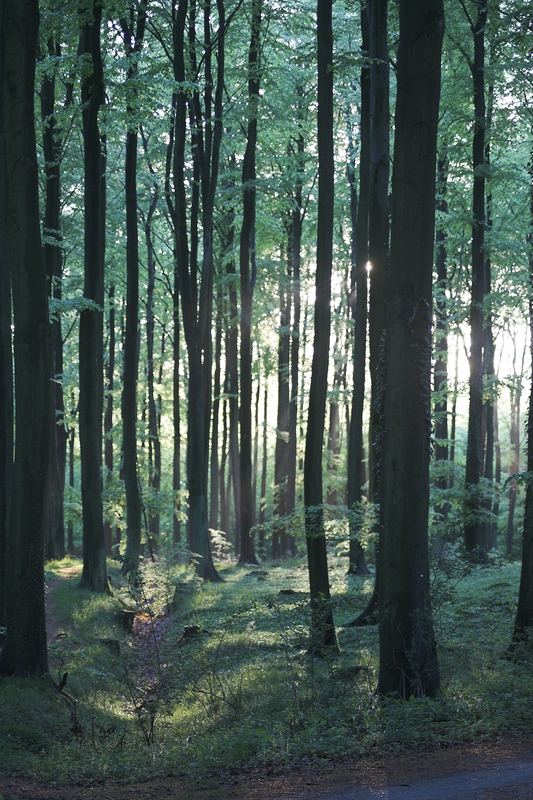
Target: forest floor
pixel 500 770
pixel 211 695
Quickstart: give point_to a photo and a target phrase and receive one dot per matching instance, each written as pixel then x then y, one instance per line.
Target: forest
pixel 266 338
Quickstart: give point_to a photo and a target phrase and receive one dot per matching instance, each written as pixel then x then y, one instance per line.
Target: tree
pixel 322 634
pixel 94 575
pixel 524 612
pixel 358 303
pixel 474 531
pixel 133 30
pixel 24 652
pixel 248 268
pixel 197 295
pixel 408 658
pixel 53 259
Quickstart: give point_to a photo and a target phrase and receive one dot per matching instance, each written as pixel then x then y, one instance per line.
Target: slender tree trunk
pixel 247 279
pixel 322 634
pixel 24 652
pixel 197 298
pixel 133 45
pixel 256 448
pixel 281 457
pixel 215 474
pixel 358 306
pixel 334 429
pixel 474 538
pixel 108 410
pixel 154 443
pixel 408 657
pixel 296 257
pixel 53 258
pixel 176 417
pixel 224 499
pixel 94 574
pixel 70 527
pixel 264 471
pixel 440 384
pixel 454 411
pixel 378 250
pixel 524 613
pixel 6 366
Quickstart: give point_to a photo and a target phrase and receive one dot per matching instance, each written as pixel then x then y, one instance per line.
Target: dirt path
pixel 497 771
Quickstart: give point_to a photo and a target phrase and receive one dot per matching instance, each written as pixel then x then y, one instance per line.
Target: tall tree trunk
pixel 408 657
pixel 6 367
pixel 197 298
pixel 440 376
pixel 256 448
pixel 24 652
pixel 378 251
pixel 53 258
pixel 524 613
pixel 281 457
pixel 322 634
pixel 154 443
pixel 264 470
pixel 215 474
pixel 358 306
pixel 474 538
pixel 334 430
pixel 94 574
pixel 247 265
pixel 133 44
pixel 108 409
pixel 296 257
pixel 224 498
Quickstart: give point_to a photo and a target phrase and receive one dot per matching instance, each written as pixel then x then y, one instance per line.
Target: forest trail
pixel 495 771
pixel 53 626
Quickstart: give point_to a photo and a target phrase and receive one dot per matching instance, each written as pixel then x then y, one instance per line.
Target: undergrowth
pixel 217 676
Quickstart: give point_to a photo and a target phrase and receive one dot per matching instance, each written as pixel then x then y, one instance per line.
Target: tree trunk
pixel 6 369
pixel 247 279
pixel 154 443
pixel 281 457
pixel 296 257
pixel 197 299
pixel 408 657
pixel 440 385
pixel 215 474
pixel 133 45
pixel 358 306
pixel 524 613
pixel 24 652
pixel 322 633
pixel 264 470
pixel 53 257
pixel 108 410
pixel 94 574
pixel 474 537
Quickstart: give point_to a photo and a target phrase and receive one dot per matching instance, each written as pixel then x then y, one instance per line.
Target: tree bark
pixel 440 378
pixel 94 574
pixel 6 369
pixel 408 656
pixel 247 280
pixel 322 633
pixel 474 537
pixel 24 653
pixel 53 258
pixel 524 613
pixel 133 44
pixel 358 306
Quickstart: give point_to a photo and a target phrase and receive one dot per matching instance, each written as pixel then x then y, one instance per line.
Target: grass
pixel 243 691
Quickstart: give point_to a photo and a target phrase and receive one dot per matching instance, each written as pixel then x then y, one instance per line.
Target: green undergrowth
pixel 221 678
